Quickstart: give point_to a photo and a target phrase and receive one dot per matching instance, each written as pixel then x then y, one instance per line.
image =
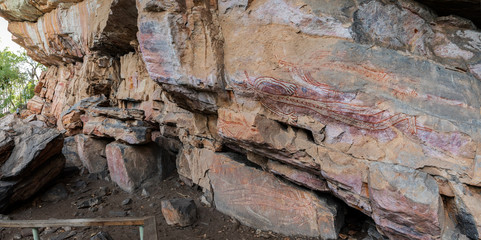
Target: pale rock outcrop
pixel 137 89
pixel 331 106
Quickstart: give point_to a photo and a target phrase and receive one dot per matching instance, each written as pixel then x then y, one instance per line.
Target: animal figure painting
pixel 302 94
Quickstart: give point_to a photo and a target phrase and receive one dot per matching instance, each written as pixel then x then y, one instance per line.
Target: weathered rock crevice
pixel 119 36
pixel 466 9
pixel 272 107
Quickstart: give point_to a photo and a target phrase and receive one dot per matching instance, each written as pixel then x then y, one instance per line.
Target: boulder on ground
pixel 16 191
pixel 101 236
pixel 260 200
pixel 130 165
pixel 182 212
pixel 33 147
pixel 35 159
pixel 90 153
pixel 70 151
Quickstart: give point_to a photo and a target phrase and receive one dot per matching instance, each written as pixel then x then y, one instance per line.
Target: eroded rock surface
pixel 260 200
pixel 6 146
pixel 33 158
pixel 421 204
pixel 91 153
pixel 374 102
pixel 182 212
pixel 130 165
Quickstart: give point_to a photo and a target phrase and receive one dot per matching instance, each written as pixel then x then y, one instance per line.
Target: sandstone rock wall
pixel 374 102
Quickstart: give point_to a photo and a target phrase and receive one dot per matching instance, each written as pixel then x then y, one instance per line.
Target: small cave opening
pixel 120 30
pixel 357 225
pixel 469 9
pixel 239 154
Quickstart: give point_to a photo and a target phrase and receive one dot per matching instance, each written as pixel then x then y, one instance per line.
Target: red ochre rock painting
pixel 304 95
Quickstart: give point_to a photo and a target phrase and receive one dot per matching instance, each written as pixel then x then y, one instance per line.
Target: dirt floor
pixel 73 189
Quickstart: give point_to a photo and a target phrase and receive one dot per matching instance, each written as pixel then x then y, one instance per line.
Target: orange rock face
pixel 35 104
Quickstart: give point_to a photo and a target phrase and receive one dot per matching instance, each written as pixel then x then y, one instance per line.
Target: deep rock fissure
pixel 466 9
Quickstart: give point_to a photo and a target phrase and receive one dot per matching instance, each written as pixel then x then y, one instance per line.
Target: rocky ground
pixel 72 190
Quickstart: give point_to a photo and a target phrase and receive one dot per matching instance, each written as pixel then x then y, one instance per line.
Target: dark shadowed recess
pixel 470 9
pixel 120 30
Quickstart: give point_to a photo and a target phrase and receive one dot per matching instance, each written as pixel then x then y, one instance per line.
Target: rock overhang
pixel 66 35
pixel 373 101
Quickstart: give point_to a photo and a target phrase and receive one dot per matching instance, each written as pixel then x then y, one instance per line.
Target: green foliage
pixel 18 77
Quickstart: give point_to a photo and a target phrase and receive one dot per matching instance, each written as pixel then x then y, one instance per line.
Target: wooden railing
pixel 147 225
